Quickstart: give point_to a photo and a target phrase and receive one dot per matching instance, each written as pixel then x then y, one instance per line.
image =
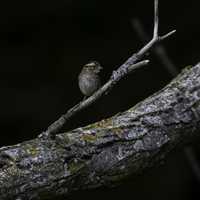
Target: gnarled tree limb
pixel 105 152
pixel 168 64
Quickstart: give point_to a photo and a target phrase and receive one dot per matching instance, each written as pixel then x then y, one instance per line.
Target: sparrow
pixel 89 79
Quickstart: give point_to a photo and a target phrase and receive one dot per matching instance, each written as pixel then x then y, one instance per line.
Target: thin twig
pixel 173 71
pixel 52 129
pixel 159 50
pixel 156 19
pixel 122 71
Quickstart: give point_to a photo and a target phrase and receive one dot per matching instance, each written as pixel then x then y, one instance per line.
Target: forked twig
pixel 159 50
pixel 130 65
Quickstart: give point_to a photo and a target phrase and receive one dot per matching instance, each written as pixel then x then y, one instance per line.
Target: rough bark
pixel 108 151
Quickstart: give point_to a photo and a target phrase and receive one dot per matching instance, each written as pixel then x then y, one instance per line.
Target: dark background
pixel 45 43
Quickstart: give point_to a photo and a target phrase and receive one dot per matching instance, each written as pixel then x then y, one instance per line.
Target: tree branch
pixel 130 65
pixel 57 125
pixel 108 151
pixel 159 50
pixel 173 71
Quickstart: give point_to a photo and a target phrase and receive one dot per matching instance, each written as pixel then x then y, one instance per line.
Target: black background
pixel 45 43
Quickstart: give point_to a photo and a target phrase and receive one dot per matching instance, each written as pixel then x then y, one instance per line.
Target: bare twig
pixel 52 129
pixel 159 49
pixel 142 52
pixel 156 19
pixel 131 64
pixel 173 71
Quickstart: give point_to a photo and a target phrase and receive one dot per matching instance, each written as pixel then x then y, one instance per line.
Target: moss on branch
pixel 106 152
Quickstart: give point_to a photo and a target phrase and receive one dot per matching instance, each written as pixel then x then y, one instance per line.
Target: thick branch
pixel 162 54
pixel 108 151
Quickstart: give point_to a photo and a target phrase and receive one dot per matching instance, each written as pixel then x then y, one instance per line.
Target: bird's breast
pixel 88 83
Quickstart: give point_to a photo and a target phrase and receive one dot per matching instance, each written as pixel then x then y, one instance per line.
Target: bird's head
pixel 93 66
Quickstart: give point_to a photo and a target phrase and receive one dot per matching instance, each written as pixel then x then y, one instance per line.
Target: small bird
pixel 89 79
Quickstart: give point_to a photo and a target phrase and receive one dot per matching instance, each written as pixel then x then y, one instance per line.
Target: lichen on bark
pixel 106 152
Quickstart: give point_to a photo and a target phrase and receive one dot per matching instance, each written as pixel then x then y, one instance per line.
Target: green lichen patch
pixel 89 137
pixel 105 123
pixel 34 151
pixel 75 166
